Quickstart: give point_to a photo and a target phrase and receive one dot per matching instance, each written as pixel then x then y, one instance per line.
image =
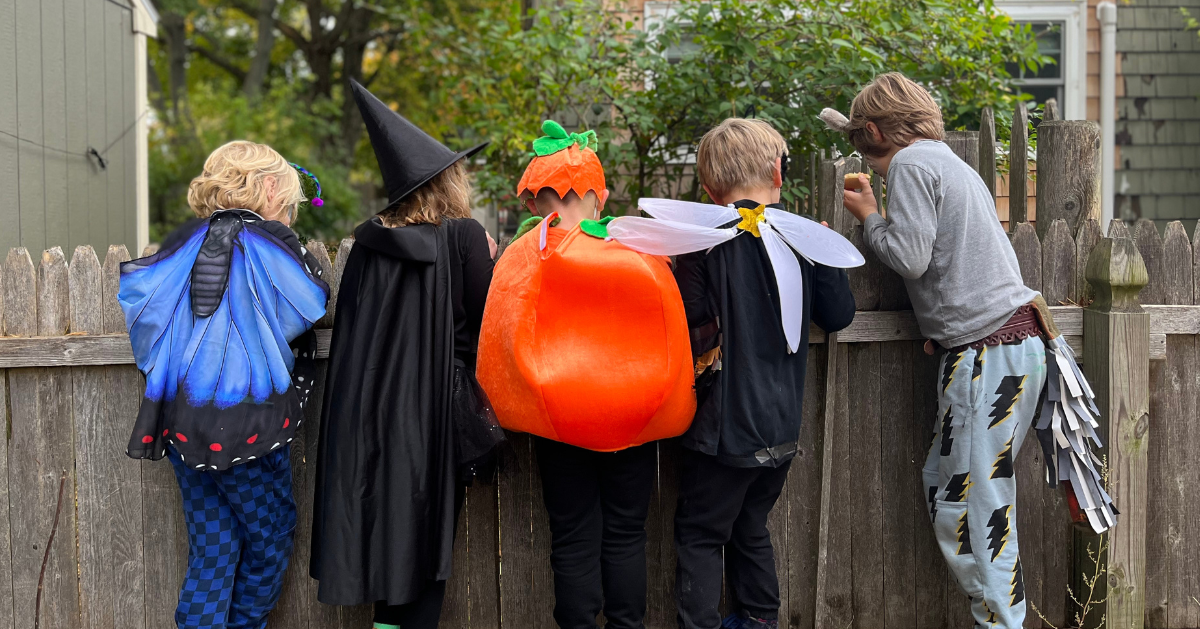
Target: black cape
pixel 748 413
pixel 383 522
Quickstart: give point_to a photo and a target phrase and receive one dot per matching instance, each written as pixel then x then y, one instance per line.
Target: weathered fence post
pixel 965 145
pixel 987 149
pixel 1018 169
pixel 1068 173
pixel 831 210
pixel 1116 333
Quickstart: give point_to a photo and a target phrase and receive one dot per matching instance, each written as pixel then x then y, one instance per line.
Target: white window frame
pixel 1073 16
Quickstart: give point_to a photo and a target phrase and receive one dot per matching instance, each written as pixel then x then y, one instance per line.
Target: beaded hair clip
pixel 316 200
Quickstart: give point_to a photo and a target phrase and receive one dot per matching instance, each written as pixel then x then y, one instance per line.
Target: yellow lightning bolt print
pixel 1009 391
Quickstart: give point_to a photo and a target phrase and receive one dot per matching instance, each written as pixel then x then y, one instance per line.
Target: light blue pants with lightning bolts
pixel 987 399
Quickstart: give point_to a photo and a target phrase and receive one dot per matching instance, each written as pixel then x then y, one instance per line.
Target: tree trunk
pixel 174 31
pixel 261 62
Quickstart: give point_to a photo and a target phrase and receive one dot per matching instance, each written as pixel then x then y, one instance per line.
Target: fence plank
pixel 929 571
pixel 41 464
pixel 901 482
pixel 483 552
pixel 1150 245
pixel 835 594
pixel 1068 170
pixel 339 267
pixel 317 248
pixel 965 145
pixel 7 620
pixel 111 572
pixel 1184 441
pixel 1172 408
pixel 1118 229
pixel 1029 255
pixel 832 177
pixel 987 149
pixel 20 290
pixel 1058 265
pixel 660 545
pixel 526 600
pixel 866 281
pixel 866 482
pixel 1018 168
pixel 112 319
pixel 86 292
pixel 798 566
pixel 1085 240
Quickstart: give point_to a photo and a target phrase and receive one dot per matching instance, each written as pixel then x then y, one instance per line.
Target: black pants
pixel 426 611
pixel 722 507
pixel 597 503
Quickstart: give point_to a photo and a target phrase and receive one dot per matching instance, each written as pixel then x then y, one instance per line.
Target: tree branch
pixel 219 61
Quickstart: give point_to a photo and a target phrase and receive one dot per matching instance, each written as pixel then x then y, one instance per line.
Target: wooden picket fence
pixel 93 539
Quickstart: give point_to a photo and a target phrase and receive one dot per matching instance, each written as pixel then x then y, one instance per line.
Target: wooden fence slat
pixel 803 502
pixel 1058 265
pixel 866 281
pixel 1018 168
pixel 7 619
pixel 836 600
pixel 112 319
pixel 20 294
pixel 86 292
pixel 987 149
pixel 112 589
pixel 1150 245
pixel 483 554
pixel 41 462
pixel 526 599
pixel 929 570
pixel 1172 409
pixel 1118 229
pixel 965 145
pixel 1184 441
pixel 1068 171
pixel 900 477
pixel 1029 255
pixel 1085 240
pixel 339 267
pixel 660 529
pixel 831 184
pixel 317 248
pixel 866 484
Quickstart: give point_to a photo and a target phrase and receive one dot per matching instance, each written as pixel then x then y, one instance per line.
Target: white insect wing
pixel 700 214
pixel 791 285
pixel 815 241
pixel 661 237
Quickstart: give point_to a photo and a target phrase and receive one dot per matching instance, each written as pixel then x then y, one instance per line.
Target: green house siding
pixel 66 85
pixel 1158 131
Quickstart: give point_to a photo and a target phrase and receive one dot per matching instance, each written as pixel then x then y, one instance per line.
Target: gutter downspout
pixel 1106 13
pixel 144 25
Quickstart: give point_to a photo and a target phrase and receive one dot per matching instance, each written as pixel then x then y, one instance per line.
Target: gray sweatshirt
pixel 942 236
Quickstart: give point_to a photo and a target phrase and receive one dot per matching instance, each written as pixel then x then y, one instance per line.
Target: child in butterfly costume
pixel 210 319
pixel 1001 350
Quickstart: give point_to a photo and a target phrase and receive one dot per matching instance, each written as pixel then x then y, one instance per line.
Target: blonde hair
pixel 447 195
pixel 739 152
pixel 903 111
pixel 234 178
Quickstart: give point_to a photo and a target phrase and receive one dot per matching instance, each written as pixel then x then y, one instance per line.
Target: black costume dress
pixel 408 313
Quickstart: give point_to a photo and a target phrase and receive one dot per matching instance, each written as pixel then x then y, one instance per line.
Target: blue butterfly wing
pixel 239 353
pixel 154 295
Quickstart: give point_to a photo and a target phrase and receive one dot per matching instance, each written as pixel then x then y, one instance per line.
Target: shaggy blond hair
pixel 739 152
pixel 447 195
pixel 903 111
pixel 234 178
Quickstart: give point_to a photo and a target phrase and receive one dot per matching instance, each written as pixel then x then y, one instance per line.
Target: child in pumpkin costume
pixel 584 345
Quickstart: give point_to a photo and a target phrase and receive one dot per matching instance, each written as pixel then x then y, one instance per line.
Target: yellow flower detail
pixel 751 217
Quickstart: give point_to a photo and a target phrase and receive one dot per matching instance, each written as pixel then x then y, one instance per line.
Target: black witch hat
pixel 408 157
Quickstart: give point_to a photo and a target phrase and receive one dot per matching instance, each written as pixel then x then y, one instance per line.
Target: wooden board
pixel 803 499
pixel 866 484
pixel 900 475
pixel 929 569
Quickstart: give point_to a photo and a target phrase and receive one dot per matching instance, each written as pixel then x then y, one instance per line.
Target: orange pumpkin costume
pixel 584 341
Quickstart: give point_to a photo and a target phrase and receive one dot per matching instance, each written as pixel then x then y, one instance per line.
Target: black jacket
pixel 748 412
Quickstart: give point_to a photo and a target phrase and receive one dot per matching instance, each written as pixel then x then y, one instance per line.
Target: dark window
pixel 1047 82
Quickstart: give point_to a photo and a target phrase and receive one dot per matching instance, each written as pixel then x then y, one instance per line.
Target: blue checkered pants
pixel 240 523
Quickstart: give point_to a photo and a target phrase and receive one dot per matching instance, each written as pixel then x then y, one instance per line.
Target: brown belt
pixel 1022 325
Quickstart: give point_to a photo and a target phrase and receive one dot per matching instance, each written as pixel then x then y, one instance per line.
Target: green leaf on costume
pixel 595 229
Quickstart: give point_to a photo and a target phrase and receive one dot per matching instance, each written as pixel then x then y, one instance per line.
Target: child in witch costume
pixel 584 345
pixel 210 318
pixel 404 423
pixel 1002 357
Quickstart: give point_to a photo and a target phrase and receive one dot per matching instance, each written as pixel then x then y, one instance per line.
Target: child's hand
pixel 860 204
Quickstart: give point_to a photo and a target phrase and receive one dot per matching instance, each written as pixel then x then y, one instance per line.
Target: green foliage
pixel 469 71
